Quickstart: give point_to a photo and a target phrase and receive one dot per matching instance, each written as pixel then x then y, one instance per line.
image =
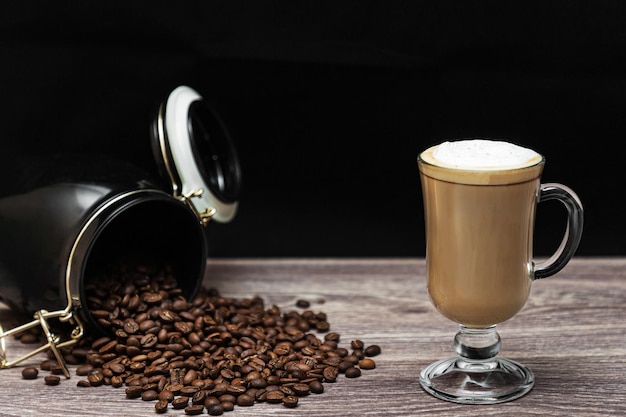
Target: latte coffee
pixel 480 198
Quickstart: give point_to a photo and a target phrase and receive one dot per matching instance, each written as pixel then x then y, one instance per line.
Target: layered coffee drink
pixel 480 198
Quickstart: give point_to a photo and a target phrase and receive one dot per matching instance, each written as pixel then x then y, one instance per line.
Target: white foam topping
pixel 484 154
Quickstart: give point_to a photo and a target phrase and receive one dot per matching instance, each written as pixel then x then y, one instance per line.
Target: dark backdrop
pixel 330 102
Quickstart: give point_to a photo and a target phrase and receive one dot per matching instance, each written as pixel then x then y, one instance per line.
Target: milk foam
pixel 484 154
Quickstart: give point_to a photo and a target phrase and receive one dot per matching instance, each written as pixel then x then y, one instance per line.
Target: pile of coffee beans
pixel 208 354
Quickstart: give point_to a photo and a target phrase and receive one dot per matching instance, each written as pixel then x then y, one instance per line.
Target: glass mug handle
pixel 573 233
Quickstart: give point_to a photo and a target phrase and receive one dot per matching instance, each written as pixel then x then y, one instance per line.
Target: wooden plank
pixel 571 333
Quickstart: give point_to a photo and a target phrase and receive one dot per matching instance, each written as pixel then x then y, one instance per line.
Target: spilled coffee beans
pixel 208 354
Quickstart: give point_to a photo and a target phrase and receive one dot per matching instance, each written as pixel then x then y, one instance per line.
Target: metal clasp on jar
pixel 54 342
pixel 206 214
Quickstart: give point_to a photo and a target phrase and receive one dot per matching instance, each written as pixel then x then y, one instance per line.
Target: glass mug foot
pixel 490 382
pixel 476 376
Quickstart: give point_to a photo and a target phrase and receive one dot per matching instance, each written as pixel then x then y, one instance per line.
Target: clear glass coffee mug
pixel 479 261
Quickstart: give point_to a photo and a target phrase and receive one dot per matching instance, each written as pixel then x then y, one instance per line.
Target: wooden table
pixel 571 333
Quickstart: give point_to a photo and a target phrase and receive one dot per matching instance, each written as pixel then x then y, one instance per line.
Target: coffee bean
pixel 227 405
pixel 133 391
pixel 149 395
pixel 95 379
pixel 303 304
pixel 152 298
pixel 117 381
pixel 300 389
pixel 131 327
pixel 330 374
pixel 179 403
pixel 117 368
pixel 84 370
pixel 215 410
pixel 322 326
pixel 367 363
pixel 316 387
pixel 161 406
pixel 343 365
pixel 166 395
pixel 52 380
pixel 189 391
pixel 148 341
pixel 245 400
pixel 372 350
pixel 108 347
pixel 28 338
pixel 209 352
pixel 48 364
pixel 195 409
pixel 274 397
pixel 357 344
pixel 353 372
pixel 290 401
pixel 30 372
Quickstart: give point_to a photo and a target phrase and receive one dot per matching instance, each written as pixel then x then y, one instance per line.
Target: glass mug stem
pixel 475 346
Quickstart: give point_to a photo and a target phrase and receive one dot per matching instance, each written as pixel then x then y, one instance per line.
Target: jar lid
pixel 195 152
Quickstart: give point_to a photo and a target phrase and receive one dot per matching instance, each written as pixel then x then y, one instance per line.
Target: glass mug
pixel 479 212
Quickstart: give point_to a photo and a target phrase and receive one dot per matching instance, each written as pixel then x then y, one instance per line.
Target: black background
pixel 329 104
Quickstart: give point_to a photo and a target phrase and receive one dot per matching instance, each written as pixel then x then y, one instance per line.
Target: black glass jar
pixel 70 216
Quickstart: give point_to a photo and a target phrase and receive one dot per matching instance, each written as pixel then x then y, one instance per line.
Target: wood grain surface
pixel 571 333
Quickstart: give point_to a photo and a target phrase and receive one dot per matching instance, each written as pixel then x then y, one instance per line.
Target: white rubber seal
pixel 179 142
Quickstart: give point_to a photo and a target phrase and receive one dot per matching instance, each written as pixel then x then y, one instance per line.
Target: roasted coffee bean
pixel 28 338
pixel 134 391
pixel 367 363
pixel 195 409
pixel 290 401
pixel 343 365
pixel 300 389
pixel 117 368
pixel 131 327
pixel 372 350
pixel 179 403
pixel 161 406
pixel 166 395
pixel 148 341
pixel 83 383
pixel 189 391
pixel 357 344
pixel 330 374
pixel 227 406
pixel 215 410
pixel 56 370
pixel 52 379
pixel 152 298
pixel 48 364
pixel 303 304
pixel 149 395
pixel 274 397
pixel 30 372
pixel 84 370
pixel 210 400
pixel 245 400
pixel 353 372
pixel 117 381
pixel 95 379
pixel 210 352
pixel 316 387
pixel 108 347
pixel 199 397
pixel 332 336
